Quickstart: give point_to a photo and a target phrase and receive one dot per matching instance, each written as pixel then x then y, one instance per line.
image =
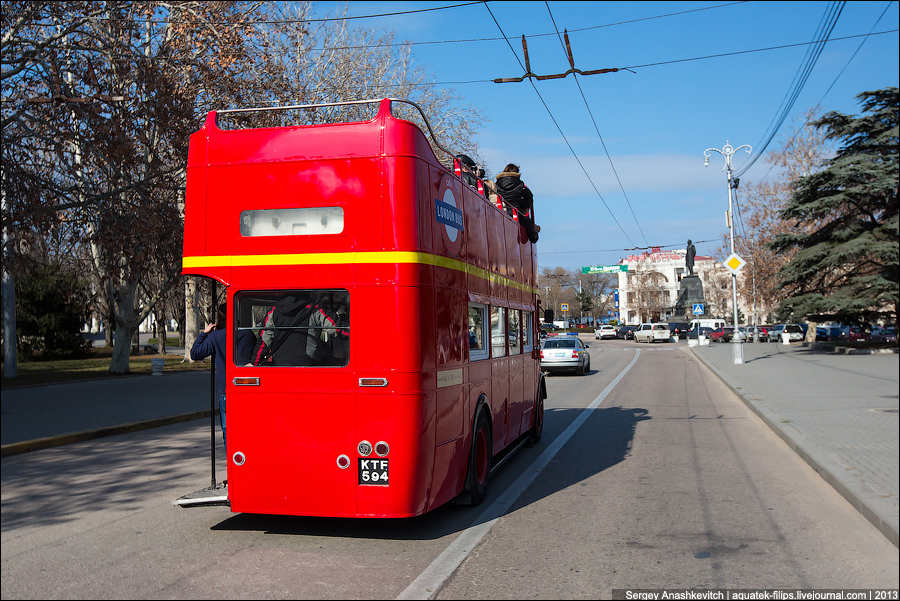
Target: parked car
pixel 565 353
pixel 652 332
pixel 763 334
pixel 794 331
pixel 721 334
pixel 857 334
pixel 704 331
pixel 775 332
pixel 626 332
pixel 679 329
pixel 888 334
pixel 605 331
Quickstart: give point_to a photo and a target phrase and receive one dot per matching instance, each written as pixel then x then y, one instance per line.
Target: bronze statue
pixel 689 257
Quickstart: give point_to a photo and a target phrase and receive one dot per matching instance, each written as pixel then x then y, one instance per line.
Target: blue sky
pixel 656 122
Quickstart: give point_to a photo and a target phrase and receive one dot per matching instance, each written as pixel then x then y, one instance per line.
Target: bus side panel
pixel 448 241
pixel 527 273
pixel 479 383
pixel 516 393
pixel 451 332
pixel 427 190
pixel 401 213
pixel 500 401
pixel 513 258
pixel 496 251
pixel 477 244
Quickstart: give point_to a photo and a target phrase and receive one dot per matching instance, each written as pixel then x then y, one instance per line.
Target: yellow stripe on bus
pixel 349 259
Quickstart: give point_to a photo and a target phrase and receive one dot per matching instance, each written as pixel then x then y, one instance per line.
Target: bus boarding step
pixel 205 497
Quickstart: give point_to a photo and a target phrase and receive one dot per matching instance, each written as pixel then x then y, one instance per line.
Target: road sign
pixel 698 308
pixel 604 268
pixel 734 263
pixel 564 306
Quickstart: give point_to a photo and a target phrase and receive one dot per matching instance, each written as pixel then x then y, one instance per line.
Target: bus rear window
pixel 292 328
pixel 310 221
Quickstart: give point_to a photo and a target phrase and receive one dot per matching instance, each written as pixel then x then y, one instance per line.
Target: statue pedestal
pixel 689 293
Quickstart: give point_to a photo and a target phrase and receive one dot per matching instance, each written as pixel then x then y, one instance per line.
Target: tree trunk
pixel 161 335
pixel 191 315
pixel 810 333
pixel 126 327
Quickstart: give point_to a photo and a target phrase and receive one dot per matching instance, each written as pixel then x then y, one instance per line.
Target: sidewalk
pixel 839 412
pixel 71 411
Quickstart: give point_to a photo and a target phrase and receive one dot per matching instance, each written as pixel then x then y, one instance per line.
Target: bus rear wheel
pixel 479 461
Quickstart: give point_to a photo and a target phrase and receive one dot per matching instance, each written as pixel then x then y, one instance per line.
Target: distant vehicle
pixel 763 333
pixel 652 332
pixel 605 332
pixel 721 334
pixel 565 354
pixel 708 323
pixel 626 332
pixel 794 332
pixel 857 334
pixel 679 329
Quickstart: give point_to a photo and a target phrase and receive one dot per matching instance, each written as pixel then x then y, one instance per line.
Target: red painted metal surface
pixel 410 278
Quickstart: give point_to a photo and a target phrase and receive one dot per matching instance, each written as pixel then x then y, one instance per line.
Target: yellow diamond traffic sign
pixel 734 263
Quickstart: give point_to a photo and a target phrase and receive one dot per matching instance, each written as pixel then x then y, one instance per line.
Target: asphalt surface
pixel 670 481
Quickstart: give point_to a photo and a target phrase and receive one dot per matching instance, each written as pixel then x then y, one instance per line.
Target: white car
pixel 605 332
pixel 652 332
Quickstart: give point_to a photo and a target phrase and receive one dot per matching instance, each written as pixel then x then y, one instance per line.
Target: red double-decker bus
pixel 383 347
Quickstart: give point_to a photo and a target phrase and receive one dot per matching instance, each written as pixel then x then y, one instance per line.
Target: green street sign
pixel 604 268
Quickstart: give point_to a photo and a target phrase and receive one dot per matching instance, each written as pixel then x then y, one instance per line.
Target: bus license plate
pixel 373 472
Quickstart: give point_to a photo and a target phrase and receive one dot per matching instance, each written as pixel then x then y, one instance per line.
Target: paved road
pixel 670 481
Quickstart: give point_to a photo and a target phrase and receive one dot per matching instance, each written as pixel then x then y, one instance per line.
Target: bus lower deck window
pixel 292 328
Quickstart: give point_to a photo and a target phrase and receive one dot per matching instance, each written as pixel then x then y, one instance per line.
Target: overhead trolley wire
pixel 827 25
pixel 597 128
pixel 553 118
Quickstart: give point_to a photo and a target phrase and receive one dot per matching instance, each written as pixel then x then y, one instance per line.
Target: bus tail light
pixel 574 354
pixel 542 354
pixel 382 448
pixel 246 381
pixel 343 462
pixel 373 381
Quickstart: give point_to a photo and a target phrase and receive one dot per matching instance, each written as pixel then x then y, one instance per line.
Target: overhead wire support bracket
pixel 572 69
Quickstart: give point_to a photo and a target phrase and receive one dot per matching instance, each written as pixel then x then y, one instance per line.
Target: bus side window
pixel 515 320
pixel 477 332
pixel 498 333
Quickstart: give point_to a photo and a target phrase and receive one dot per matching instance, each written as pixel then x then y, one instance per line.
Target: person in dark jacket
pixel 515 194
pixel 211 341
pixel 468 169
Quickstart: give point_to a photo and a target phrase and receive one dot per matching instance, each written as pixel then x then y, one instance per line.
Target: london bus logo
pixel 445 211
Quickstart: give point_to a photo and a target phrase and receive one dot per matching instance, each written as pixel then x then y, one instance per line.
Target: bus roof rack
pixel 344 103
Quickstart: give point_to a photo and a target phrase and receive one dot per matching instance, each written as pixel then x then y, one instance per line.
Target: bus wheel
pixel 534 435
pixel 479 461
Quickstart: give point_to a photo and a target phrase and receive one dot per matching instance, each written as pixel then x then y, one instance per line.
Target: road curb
pixel 871 515
pixel 37 444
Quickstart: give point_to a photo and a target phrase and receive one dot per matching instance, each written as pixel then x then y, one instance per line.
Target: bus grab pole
pixel 212 400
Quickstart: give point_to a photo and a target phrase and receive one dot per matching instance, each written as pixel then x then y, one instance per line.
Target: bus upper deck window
pixel 310 221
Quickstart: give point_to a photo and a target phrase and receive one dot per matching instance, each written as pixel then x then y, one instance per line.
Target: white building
pixel 649 289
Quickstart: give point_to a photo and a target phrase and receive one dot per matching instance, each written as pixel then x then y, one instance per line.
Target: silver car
pixel 565 353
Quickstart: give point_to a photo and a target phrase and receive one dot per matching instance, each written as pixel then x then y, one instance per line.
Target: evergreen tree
pixel 846 266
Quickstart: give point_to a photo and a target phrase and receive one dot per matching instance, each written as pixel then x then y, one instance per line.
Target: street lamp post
pixel 727 152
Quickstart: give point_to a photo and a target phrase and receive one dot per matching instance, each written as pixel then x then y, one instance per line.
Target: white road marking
pixel 429 583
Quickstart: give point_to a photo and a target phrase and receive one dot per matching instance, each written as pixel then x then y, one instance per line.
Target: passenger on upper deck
pixel 517 195
pixel 468 168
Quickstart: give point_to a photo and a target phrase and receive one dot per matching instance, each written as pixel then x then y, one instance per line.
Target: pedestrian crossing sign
pixel 698 309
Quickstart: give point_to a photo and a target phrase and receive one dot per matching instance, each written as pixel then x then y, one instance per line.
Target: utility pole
pixel 727 152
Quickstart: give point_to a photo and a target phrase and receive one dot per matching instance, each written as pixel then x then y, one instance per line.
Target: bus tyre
pixel 479 461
